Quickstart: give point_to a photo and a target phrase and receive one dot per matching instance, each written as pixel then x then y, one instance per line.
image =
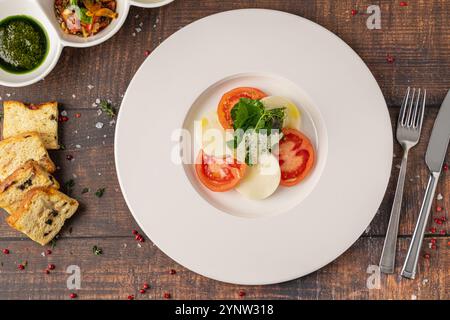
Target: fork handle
pixel 410 265
pixel 387 261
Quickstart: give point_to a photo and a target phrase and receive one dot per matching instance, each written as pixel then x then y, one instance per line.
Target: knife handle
pixel 410 265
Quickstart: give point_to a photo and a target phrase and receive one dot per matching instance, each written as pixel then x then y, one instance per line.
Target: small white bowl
pixel 43 12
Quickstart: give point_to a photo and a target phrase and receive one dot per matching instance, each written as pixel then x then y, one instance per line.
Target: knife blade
pixel 440 135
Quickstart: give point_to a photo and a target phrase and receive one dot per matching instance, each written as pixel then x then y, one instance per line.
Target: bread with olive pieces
pixel 28 176
pixel 17 150
pixel 19 117
pixel 42 214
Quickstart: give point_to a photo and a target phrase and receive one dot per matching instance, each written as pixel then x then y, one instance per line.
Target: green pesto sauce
pixel 23 44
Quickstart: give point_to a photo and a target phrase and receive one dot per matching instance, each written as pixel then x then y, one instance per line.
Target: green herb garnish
pixel 85 190
pixel 99 193
pixel 252 121
pixel 68 185
pixel 107 108
pixel 251 114
pixel 97 251
pixel 84 17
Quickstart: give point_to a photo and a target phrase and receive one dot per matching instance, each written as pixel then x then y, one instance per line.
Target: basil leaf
pixel 84 17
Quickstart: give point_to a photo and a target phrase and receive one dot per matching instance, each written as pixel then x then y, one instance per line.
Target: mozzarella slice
pixel 213 137
pixel 261 180
pixel 293 117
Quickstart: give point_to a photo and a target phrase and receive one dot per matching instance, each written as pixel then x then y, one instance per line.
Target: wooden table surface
pixel 417 36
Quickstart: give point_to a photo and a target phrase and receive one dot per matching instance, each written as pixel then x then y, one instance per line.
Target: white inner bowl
pixel 311 124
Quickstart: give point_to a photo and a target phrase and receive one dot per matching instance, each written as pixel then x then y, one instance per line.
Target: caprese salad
pixel 252 143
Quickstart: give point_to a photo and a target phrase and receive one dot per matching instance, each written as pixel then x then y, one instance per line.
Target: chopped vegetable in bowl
pixel 85 17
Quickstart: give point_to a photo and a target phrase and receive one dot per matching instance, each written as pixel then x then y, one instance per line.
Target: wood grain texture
pixel 417 36
pixel 93 167
pixel 124 267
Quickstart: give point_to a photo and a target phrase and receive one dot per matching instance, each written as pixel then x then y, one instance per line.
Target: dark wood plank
pixel 417 36
pixel 121 271
pixel 93 167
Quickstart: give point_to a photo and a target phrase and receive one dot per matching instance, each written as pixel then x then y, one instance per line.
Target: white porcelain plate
pixel 297 230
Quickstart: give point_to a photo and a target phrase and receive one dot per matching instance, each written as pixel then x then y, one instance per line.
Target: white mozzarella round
pixel 261 180
pixel 213 137
pixel 293 118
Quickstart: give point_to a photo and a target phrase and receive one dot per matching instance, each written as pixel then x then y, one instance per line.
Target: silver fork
pixel 409 126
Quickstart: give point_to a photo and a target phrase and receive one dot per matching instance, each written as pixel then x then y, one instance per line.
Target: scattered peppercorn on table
pixel 113 257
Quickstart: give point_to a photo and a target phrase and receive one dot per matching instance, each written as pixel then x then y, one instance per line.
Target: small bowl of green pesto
pixel 29 45
pixel 23 44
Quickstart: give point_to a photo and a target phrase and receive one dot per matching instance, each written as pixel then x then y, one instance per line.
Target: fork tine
pixel 407 121
pixel 402 113
pixel 413 122
pixel 422 110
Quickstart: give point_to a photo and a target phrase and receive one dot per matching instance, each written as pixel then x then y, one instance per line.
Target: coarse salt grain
pixel 74 96
pixel 99 112
pixel 78 146
pixel 64 113
pixel 90 86
pixel 99 125
pixel 439 197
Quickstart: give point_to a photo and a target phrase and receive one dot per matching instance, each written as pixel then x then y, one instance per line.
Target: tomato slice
pixel 296 157
pixel 219 174
pixel 232 97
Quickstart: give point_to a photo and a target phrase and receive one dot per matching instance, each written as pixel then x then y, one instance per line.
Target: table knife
pixel 434 158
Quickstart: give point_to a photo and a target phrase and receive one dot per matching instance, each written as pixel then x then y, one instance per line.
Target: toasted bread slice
pixel 15 151
pixel 28 176
pixel 42 214
pixel 41 118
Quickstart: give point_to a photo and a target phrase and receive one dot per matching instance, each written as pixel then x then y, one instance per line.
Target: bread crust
pixel 14 220
pixel 26 177
pixel 9 162
pixel 20 117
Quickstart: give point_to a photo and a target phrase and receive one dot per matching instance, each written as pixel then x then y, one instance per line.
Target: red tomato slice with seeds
pixel 219 174
pixel 232 97
pixel 296 157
